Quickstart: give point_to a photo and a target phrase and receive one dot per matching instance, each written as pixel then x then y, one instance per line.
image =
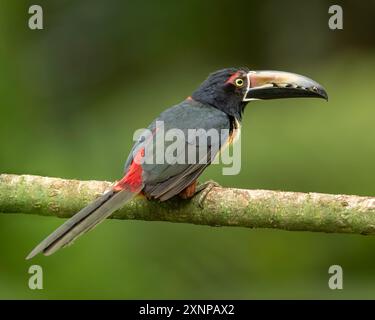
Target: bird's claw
pixel 205 188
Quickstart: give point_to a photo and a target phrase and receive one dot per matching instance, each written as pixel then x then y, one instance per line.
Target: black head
pixel 224 89
pixel 231 89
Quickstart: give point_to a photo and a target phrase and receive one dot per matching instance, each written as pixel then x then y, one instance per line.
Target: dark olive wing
pixel 164 180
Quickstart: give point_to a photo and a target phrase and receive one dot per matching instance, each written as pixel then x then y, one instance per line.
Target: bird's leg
pixel 205 188
pixel 189 191
pixel 194 188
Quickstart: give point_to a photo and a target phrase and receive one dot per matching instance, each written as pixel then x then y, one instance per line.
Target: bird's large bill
pixel 279 84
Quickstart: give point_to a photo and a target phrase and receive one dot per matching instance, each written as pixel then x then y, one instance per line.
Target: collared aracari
pixel 218 103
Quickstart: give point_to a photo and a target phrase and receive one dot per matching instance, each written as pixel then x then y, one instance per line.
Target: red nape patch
pixel 233 77
pixel 133 177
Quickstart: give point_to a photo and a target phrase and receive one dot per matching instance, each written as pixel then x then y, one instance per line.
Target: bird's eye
pixel 239 82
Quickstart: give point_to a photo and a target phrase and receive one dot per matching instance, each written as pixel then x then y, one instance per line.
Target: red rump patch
pixel 133 178
pixel 233 77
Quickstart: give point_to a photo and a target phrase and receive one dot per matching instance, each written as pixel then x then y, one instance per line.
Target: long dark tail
pixel 83 221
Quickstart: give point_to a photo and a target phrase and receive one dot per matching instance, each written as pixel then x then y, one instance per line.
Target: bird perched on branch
pixel 218 103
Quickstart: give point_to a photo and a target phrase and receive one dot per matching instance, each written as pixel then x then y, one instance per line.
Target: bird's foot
pixel 205 188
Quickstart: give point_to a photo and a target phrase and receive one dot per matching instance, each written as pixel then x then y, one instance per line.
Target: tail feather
pixel 83 221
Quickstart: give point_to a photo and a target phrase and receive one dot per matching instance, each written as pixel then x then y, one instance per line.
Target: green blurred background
pixel 72 95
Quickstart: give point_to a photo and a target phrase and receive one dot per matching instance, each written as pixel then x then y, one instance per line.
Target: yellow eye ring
pixel 239 82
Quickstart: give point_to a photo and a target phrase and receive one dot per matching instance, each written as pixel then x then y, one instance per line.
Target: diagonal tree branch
pixel 223 206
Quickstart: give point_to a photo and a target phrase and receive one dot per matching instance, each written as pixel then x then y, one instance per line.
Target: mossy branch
pixel 223 206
